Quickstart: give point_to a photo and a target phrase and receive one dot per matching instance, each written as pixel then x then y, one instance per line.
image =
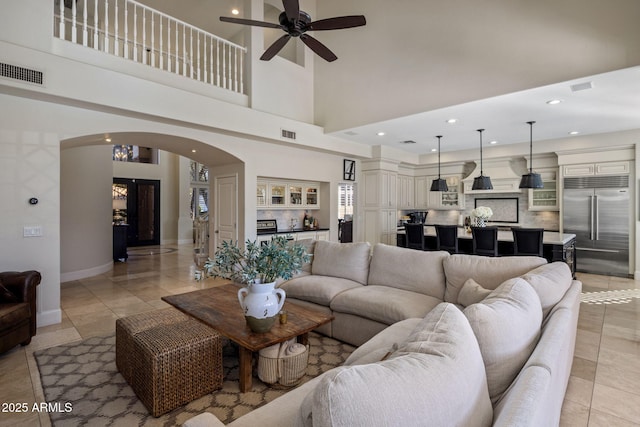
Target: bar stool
pixel 485 241
pixel 414 236
pixel 527 241
pixel 447 238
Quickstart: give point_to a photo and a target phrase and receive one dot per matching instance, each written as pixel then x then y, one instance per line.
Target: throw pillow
pixel 489 271
pixel 472 293
pixel 435 378
pixel 344 260
pixel 6 295
pixel 507 326
pixel 550 281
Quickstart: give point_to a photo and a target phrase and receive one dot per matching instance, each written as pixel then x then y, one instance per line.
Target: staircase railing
pixel 133 31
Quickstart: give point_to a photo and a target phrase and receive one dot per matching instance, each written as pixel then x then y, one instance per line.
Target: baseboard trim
pixel 81 274
pixel 185 241
pixel 49 317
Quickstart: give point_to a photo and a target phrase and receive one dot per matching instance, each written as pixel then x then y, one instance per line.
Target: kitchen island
pixel 556 246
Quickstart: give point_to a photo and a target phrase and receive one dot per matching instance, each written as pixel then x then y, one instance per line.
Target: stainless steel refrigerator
pixel 596 210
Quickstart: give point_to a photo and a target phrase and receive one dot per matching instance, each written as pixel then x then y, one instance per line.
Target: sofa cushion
pixel 472 293
pixel 309 247
pixel 550 281
pixel 317 289
pixel 507 326
pixel 383 343
pixel 489 272
pixel 402 268
pixel 345 260
pixel 383 303
pixel 438 380
pixel 6 296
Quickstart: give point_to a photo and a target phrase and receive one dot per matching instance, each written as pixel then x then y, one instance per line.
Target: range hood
pixel 502 175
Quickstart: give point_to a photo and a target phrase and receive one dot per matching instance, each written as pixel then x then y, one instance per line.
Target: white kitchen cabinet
pixel 546 198
pixel 322 235
pixel 422 184
pixel 284 194
pixel 262 200
pixel 448 200
pixel 405 192
pixel 380 189
pixel 589 169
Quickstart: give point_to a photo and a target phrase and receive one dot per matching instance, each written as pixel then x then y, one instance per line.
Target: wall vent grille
pixel 21 73
pixel 289 134
pixel 612 181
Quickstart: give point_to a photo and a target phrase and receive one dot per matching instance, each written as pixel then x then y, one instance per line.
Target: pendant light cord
pixel 531 147
pixel 481 171
pixel 439 136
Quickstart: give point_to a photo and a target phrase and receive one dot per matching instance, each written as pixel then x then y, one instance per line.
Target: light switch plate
pixel 32 231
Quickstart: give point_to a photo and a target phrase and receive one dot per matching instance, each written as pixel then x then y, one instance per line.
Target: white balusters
pixel 105 25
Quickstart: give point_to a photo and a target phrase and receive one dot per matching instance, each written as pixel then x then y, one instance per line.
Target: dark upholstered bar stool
pixel 485 240
pixel 527 241
pixel 447 238
pixel 414 236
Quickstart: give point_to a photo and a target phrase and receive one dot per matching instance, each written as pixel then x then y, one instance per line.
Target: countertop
pixel 549 237
pixel 295 230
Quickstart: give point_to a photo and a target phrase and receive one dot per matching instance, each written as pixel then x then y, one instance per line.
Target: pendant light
pixel 439 184
pixel 481 182
pixel 531 180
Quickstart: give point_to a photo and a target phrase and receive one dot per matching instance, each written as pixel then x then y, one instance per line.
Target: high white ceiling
pixel 612 104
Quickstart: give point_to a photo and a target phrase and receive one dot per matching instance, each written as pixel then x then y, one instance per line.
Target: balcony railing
pixel 133 31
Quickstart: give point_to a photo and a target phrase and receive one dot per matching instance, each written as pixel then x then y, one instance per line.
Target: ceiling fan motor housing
pixel 295 27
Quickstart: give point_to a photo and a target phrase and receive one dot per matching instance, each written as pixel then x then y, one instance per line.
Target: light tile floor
pixel 604 388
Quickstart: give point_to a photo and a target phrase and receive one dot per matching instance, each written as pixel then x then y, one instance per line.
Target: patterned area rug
pixel 610 297
pixel 83 377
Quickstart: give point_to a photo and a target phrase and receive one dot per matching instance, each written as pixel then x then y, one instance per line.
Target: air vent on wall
pixel 21 73
pixel 581 86
pixel 408 141
pixel 289 134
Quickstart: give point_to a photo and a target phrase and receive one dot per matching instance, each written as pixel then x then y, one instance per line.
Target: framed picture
pixel 349 170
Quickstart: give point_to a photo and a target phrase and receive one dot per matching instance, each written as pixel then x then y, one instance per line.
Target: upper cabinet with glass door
pixel 452 199
pixel 287 194
pixel 546 198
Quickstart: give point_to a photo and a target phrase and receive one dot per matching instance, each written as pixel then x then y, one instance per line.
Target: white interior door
pixel 226 210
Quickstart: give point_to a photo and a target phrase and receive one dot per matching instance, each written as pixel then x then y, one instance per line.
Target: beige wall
pixel 85 212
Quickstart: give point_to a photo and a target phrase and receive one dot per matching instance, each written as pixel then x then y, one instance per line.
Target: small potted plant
pixel 258 267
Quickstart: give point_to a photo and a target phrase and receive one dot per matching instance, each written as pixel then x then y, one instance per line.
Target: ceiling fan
pixel 295 23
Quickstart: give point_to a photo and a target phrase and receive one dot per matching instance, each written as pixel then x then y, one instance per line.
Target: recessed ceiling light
pixel 380 134
pixel 493 142
pixel 235 11
pixel 452 120
pixel 433 150
pixel 574 132
pixel 554 101
pixel 108 139
pixel 193 151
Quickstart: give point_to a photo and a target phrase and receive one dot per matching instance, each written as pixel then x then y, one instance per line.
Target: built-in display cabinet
pixel 546 198
pixel 287 195
pixel 447 200
pixel 294 236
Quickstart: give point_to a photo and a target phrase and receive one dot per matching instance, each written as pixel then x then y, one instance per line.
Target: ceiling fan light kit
pixel 439 184
pixel 531 179
pixel 481 182
pixel 295 23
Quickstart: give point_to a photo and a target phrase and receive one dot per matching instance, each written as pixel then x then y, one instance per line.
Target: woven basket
pixel 285 371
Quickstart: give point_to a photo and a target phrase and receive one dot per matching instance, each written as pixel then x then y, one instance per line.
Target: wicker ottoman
pixel 128 327
pixel 172 364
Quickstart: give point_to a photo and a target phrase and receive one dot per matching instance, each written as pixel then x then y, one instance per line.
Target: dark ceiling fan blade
pixel 275 47
pixel 318 48
pixel 337 23
pixel 250 22
pixel 292 9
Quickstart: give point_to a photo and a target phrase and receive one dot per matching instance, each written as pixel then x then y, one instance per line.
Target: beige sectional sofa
pixel 442 340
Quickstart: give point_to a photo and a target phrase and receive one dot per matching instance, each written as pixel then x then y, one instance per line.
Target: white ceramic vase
pixel 261 303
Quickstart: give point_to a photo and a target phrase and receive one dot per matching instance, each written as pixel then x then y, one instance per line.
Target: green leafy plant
pixel 256 263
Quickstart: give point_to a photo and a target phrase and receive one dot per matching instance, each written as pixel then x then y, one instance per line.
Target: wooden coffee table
pixel 220 309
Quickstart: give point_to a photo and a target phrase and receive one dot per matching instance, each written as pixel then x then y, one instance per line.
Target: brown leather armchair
pixel 17 308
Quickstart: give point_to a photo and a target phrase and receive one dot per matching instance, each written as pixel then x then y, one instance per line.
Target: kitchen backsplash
pixel 548 220
pixel 284 217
